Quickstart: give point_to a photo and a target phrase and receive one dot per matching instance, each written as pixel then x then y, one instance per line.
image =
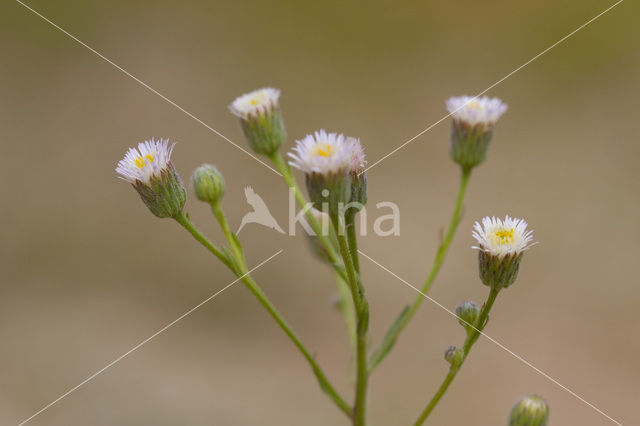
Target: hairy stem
pixel 362 314
pixel 350 220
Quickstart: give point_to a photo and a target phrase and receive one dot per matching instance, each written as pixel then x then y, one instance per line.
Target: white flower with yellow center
pixel 323 153
pixel 254 103
pixel 148 168
pixel 149 160
pixel 473 111
pixel 501 245
pixel 502 237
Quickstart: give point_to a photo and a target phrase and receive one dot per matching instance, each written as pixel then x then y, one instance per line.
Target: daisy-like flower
pixel 501 244
pixel 323 153
pixel 472 128
pixel 472 111
pixel 148 168
pixel 326 160
pixel 254 103
pixel 260 118
pixel 145 162
pixel 502 237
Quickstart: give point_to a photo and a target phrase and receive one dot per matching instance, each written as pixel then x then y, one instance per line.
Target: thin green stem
pixel 244 276
pixel 472 337
pixel 436 398
pixel 350 220
pixel 362 313
pixel 403 319
pixel 236 249
pixel 348 310
pixel 183 219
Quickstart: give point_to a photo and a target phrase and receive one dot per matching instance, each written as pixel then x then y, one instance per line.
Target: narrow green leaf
pixel 388 341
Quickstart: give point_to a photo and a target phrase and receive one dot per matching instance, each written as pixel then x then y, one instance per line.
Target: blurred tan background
pixel 87 272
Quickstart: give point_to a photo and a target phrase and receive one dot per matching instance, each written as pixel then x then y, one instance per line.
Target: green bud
pixel 529 411
pixel 467 313
pixel 358 189
pixel 454 356
pixel 208 183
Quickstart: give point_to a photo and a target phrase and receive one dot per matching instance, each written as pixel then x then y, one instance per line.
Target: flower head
pixel 472 128
pixel 326 160
pixel 501 245
pixel 148 168
pixel 324 153
pixel 149 160
pixel 473 111
pixel 502 237
pixel 255 103
pixel 261 120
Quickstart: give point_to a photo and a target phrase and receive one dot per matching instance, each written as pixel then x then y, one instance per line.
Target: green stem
pixel 362 313
pixel 333 256
pixel 472 337
pixel 436 398
pixel 244 276
pixel 348 310
pixel 350 220
pixel 183 219
pixel 236 249
pixel 403 319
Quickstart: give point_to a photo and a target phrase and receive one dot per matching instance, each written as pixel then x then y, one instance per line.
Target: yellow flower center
pixel 140 160
pixel 324 149
pixel 473 105
pixel 504 236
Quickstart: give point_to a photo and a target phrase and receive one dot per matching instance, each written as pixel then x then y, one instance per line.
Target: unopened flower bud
pixel 501 245
pixel 148 168
pixel 357 174
pixel 472 128
pixel 453 356
pixel 467 313
pixel 208 183
pixel 529 411
pixel 261 121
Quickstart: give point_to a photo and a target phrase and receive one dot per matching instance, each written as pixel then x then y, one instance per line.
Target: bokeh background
pixel 87 272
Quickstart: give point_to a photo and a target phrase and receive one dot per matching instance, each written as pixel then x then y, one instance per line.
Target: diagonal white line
pixel 518 357
pixel 146 86
pixel 145 341
pixel 496 83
